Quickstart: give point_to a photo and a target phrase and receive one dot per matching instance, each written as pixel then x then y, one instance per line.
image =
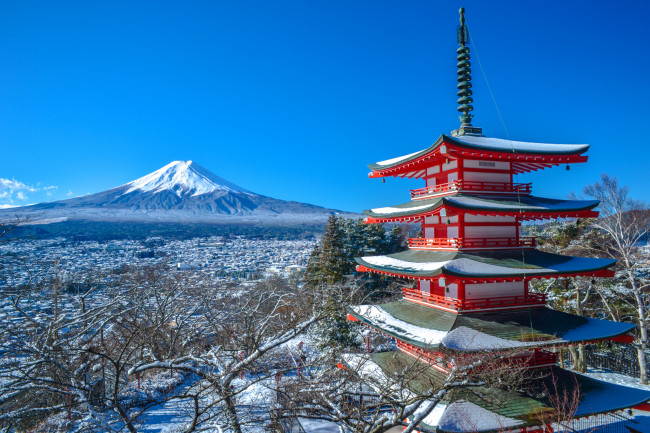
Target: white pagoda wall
pixel 489 290
pixel 501 171
pixel 434 170
pixel 486 177
pixel 486 165
pixel 490 231
pixel 452 291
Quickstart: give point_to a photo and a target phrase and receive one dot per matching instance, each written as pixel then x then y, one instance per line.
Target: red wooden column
pixel 526 287
pixel 461 292
pixel 461 226
pixel 517 226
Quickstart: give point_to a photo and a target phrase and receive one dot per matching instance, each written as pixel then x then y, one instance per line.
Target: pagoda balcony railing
pixel 535 358
pixel 469 186
pixel 495 302
pixel 469 243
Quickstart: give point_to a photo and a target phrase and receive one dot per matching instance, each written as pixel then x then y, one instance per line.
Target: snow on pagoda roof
pixel 427 328
pixel 489 409
pixel 530 204
pixel 486 144
pixel 519 263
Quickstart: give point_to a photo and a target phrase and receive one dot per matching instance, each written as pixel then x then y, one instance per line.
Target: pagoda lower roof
pixel 486 265
pixel 487 409
pixel 525 207
pixel 430 328
pixel 526 156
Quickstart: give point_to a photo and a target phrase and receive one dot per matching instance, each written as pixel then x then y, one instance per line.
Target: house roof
pixel 518 263
pixel 483 204
pixel 430 328
pixel 489 409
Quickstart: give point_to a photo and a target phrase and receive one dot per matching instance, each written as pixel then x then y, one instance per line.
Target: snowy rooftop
pixel 489 144
pixel 489 409
pixel 482 264
pixel 425 327
pixel 490 203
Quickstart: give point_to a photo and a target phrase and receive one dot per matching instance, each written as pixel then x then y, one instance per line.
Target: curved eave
pixel 525 208
pixel 525 156
pixel 391 332
pixel 510 265
pixel 474 332
pixel 516 147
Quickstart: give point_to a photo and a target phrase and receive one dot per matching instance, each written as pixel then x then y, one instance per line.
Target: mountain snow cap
pixel 182 178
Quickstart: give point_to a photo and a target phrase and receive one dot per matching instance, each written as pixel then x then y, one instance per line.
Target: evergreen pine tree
pixel 313 274
pixel 333 260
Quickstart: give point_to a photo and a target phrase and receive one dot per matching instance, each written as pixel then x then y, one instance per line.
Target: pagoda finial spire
pixel 464 81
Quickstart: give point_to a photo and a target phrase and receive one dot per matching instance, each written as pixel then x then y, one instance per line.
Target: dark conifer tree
pixel 333 259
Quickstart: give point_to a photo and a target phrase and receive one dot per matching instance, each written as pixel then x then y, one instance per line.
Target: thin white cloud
pixel 12 190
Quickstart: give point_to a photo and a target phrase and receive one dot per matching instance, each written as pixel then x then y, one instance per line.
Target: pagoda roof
pixel 525 207
pixel 430 328
pixel 489 409
pixel 491 265
pixel 526 156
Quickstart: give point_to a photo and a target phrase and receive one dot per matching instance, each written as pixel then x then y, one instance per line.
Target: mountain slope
pixel 181 191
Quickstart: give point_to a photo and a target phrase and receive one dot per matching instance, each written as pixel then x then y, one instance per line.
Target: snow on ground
pixel 165 418
pixel 318 426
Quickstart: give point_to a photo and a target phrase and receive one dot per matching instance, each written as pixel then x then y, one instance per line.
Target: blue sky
pixel 292 99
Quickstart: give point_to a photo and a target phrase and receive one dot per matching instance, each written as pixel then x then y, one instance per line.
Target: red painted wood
pixel 471 186
pixel 461 304
pixel 627 339
pixel 526 162
pixel 469 243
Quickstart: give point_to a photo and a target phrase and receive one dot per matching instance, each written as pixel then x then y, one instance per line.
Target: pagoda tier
pixel 512 156
pixel 487 409
pixel 446 210
pixel 420 327
pixel 485 266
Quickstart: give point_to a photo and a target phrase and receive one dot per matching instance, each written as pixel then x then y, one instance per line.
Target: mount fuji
pixel 179 192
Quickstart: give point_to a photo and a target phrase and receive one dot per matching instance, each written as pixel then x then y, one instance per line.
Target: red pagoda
pixel 472 269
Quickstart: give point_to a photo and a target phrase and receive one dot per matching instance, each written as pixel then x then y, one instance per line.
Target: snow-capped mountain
pixel 183 177
pixel 181 191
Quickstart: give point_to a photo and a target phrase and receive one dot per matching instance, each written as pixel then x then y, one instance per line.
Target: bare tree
pixel 240 340
pixel 363 397
pixel 626 223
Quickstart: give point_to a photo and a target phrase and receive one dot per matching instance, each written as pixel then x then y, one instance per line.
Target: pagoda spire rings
pixel 464 81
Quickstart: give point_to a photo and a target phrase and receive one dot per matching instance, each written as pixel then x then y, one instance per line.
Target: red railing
pixel 465 185
pixel 458 243
pixel 474 304
pixel 426 243
pixel 454 185
pixel 535 358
